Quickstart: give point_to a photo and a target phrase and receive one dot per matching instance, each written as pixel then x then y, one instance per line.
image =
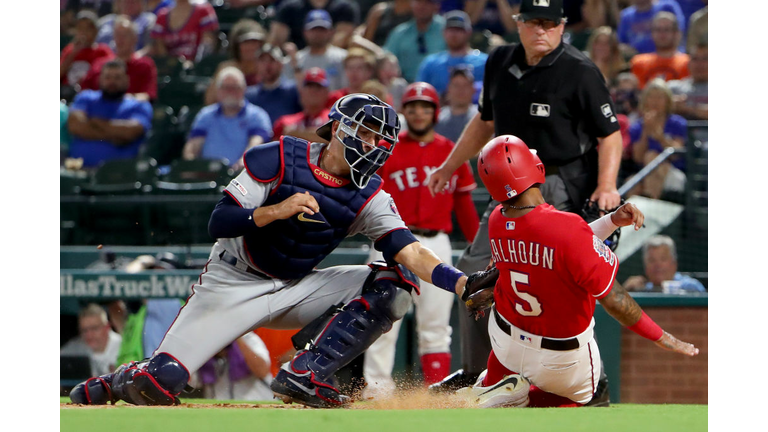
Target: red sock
pixel 496 371
pixel 435 366
pixel 541 399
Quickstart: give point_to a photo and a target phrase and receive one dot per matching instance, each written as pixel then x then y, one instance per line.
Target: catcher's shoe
pixel 454 381
pixel 512 391
pixel 94 391
pixel 292 385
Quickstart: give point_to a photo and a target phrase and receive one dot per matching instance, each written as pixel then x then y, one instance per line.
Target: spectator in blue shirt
pixel 657 129
pixel 635 24
pixel 436 67
pixel 106 124
pixel 661 275
pixel 459 108
pixel 277 95
pixel 414 40
pixel 134 9
pixel 226 129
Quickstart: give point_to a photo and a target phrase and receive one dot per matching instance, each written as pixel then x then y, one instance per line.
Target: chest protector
pixel 291 248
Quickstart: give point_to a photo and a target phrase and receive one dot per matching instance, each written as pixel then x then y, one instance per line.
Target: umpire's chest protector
pixel 291 248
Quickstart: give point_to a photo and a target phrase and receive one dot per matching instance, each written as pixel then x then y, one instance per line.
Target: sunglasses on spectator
pixel 546 24
pixel 422 44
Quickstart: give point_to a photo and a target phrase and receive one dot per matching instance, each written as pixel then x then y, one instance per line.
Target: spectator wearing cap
pixel 106 124
pixel 78 56
pixel 436 67
pixel 226 129
pixel 276 94
pixel 248 38
pixel 414 40
pixel 70 8
pixel 134 10
pixel 460 107
pixel 635 24
pixel 493 15
pixel 384 17
pixel 141 70
pixel 185 29
pixel 290 16
pixel 359 67
pixel 314 113
pixel 319 52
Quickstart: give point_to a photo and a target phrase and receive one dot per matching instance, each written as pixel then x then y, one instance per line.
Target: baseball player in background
pixel 290 207
pixel 419 151
pixel 551 267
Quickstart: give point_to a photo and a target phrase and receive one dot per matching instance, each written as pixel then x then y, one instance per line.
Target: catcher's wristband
pixel 647 328
pixel 446 277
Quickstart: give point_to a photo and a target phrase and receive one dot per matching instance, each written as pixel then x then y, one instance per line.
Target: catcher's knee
pixel 388 290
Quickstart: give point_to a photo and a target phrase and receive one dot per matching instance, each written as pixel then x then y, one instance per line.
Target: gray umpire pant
pixel 475 342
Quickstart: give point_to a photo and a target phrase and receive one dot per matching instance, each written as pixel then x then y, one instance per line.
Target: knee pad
pixel 156 382
pixel 387 300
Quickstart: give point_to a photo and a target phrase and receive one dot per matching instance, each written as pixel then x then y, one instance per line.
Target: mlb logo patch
pixel 393 207
pixel 510 192
pixel 540 110
pixel 525 339
pixel 606 109
pixel 544 3
pixel 240 187
pixel 510 225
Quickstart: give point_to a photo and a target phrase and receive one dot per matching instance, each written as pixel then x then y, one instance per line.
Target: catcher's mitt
pixel 478 291
pixel 591 212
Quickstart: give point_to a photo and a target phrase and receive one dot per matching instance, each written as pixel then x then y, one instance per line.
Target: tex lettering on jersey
pixel 293 247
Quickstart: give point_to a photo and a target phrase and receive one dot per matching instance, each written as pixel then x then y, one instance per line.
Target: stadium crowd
pixel 226 75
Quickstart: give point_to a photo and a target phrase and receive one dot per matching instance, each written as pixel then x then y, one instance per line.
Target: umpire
pixel 555 99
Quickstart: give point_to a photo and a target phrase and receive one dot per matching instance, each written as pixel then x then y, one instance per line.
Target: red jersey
pixel 142 75
pixel 185 40
pixel 290 122
pixel 405 178
pixel 83 61
pixel 551 270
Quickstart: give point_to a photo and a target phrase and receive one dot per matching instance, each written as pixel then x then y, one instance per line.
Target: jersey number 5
pixel 534 308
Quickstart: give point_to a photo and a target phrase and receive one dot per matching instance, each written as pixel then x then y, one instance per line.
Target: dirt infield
pixel 413 399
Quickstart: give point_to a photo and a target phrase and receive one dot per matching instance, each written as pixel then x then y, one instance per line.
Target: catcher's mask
pixel 357 112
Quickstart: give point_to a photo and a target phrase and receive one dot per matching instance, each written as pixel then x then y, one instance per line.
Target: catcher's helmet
pixel 508 167
pixel 421 91
pixel 359 110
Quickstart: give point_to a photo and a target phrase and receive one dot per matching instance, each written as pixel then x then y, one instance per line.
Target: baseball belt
pixel 234 262
pixel 546 343
pixel 424 232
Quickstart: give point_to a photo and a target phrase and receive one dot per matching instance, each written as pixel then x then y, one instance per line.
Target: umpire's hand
pixel 606 197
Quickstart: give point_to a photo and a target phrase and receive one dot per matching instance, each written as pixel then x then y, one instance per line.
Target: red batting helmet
pixel 508 167
pixel 421 91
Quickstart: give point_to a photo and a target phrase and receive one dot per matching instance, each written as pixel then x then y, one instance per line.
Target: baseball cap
pixel 252 35
pixel 315 75
pixel 89 16
pixel 272 50
pixel 466 70
pixel 318 18
pixel 543 9
pixel 458 19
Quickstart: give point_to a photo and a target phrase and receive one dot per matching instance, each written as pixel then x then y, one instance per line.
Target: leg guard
pixel 94 391
pixel 156 382
pixel 386 298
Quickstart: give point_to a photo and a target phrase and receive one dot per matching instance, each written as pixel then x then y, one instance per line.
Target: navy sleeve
pixel 393 242
pixel 229 220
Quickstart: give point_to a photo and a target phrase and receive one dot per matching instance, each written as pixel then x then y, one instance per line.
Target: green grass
pixel 268 417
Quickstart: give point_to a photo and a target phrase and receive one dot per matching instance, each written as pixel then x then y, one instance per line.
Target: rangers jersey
pixel 552 268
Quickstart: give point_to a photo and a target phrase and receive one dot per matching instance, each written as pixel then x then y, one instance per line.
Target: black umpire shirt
pixel 558 107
